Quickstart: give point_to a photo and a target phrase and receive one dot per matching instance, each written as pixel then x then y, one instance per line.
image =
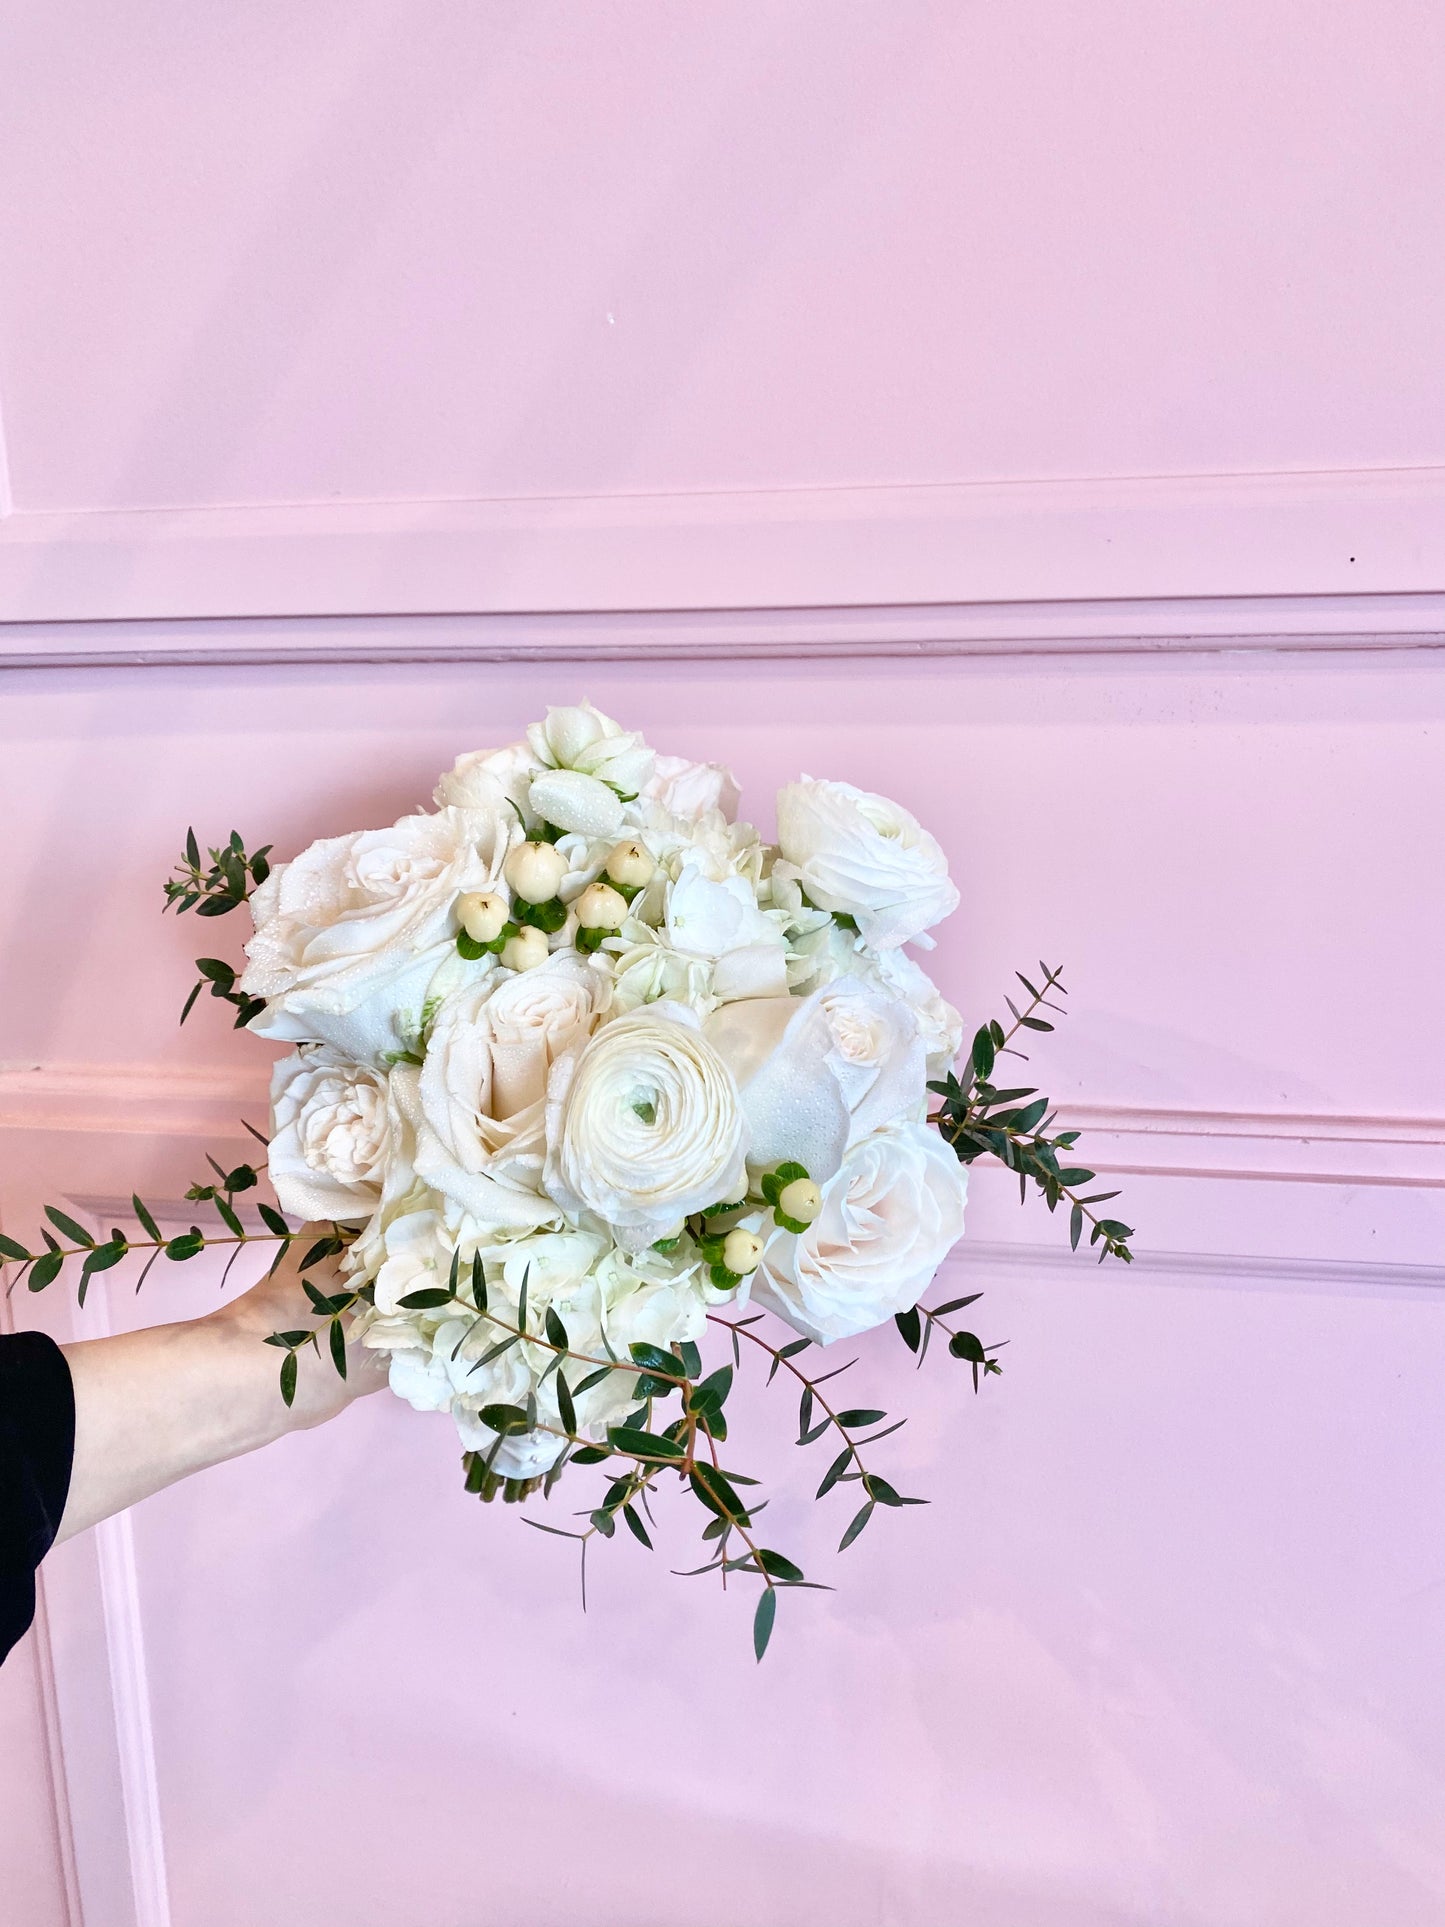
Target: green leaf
pixel 565 1408
pixel 716 1493
pixel 228 1217
pixel 68 1226
pixel 910 1327
pixel 594 1378
pixel 835 1471
pixel 273 1220
pixel 860 1519
pixel 323 1248
pixel 146 1222
pixel 763 1618
pixel 45 1270
pixel 983 1054
pixel 338 1347
pixel 589 1455
pixel 881 1490
pixel 193 854
pixel 691 1358
pixel 643 1445
pixel 655 1359
pixel 556 1330
pixel 506 1419
pixel 479 1282
pixel 604 1522
pixel 288 1378
pixel 187 1245
pixel 956 1304
pixel 1076 1226
pixel 639 1531
pixel 425 1300
pixel 10 1249
pixel 860 1415
pixel 775 1564
pixel 965 1345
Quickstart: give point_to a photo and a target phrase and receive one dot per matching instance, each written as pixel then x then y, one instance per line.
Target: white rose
pixel 860 854
pixel 351 933
pixel 717 918
pixel 483 1084
pixel 330 1135
pixel 889 1218
pixel 690 790
pixel 817 1074
pixel 644 1126
pixel 826 953
pixel 579 737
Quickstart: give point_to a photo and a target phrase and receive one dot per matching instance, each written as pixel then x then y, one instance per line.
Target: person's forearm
pixel 153 1406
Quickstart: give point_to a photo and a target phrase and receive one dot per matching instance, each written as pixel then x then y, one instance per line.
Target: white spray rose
pixel 858 853
pixel 825 952
pixel 351 933
pixel 330 1135
pixel 643 1126
pixel 482 1087
pixel 581 738
pixel 889 1218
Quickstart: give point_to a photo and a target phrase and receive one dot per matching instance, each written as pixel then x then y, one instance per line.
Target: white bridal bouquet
pixel 580 1073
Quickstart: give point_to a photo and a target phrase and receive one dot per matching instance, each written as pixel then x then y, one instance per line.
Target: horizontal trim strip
pixel 1374 531
pixel 985 630
pixel 1337 1148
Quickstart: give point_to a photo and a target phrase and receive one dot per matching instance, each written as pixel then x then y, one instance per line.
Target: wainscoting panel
pixel 1161 1651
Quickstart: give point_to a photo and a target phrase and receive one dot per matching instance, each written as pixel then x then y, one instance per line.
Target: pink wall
pixel 1034 413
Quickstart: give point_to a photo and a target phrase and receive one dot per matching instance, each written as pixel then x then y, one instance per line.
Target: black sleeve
pixel 37 1443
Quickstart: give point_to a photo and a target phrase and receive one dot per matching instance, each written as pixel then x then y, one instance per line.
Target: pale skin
pixel 153 1406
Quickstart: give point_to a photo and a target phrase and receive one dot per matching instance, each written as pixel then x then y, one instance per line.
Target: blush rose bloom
pixel 331 1135
pixel 644 1126
pixel 482 1087
pixel 858 853
pixel 890 1216
pixel 351 933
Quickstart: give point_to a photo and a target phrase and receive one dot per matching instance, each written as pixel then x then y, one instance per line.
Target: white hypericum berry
pixel 600 907
pixel 801 1200
pixel 482 913
pixel 631 866
pixel 742 1251
pixel 526 950
pixel 535 871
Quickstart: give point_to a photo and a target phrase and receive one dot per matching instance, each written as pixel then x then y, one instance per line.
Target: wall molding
pixel 1294 1147
pixel 1145 627
pixel 1338 532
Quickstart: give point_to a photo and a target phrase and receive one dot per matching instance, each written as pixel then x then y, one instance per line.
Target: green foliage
pixel 214 890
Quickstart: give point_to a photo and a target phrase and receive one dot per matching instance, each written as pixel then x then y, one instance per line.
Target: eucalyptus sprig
pixel 214 890
pixel 977 1119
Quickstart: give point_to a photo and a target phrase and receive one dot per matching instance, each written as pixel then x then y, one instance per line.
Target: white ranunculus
pixel 351 933
pixel 890 1216
pixel 330 1135
pixel 644 1126
pixel 579 737
pixel 818 1073
pixel 482 1087
pixel 858 853
pixel 690 790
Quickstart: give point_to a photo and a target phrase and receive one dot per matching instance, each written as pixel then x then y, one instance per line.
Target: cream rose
pixel 858 853
pixel 331 1137
pixel 690 790
pixel 482 1087
pixel 351 933
pixel 889 1218
pixel 818 1073
pixel 644 1126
